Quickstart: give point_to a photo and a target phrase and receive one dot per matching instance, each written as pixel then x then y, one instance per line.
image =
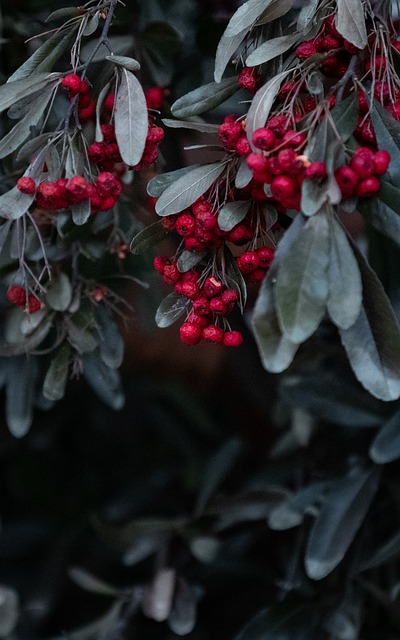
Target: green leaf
pixel 345 115
pixel 120 45
pixel 56 377
pixel 225 50
pixel 235 278
pixel 91 583
pixel 245 16
pixel 99 106
pixel 59 293
pixel 382 215
pixel 13 91
pixel 290 512
pixel 302 282
pixel 281 621
pixel 276 350
pixel 21 380
pixel 65 12
pixel 342 513
pixel 170 309
pixel 244 175
pixel 261 105
pixel 91 24
pixel 46 56
pixel 204 98
pixel 188 260
pixel 232 213
pixel 188 188
pixel 371 343
pixel 105 381
pixel 350 22
pixel 131 119
pixel 20 132
pixel 161 45
pixel 182 618
pixel 276 9
pixel 387 131
pixel 14 203
pixel 111 344
pixel 9 610
pixel 218 467
pixel 148 237
pixel 159 184
pixel 386 445
pixel 345 287
pixel 388 552
pixel 271 49
pixel 81 212
pixel 130 64
pixel 203 127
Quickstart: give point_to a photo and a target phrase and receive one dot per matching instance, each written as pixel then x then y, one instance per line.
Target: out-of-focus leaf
pixel 271 49
pixel 65 12
pixel 381 215
pixel 388 552
pixel 302 283
pixel 123 61
pixel 120 45
pixel 290 513
pixel 105 381
pixel 159 184
pixel 216 471
pixel 188 188
pixel 148 237
pixel 371 343
pixel 342 513
pixel 45 57
pixel 21 379
pixel 350 22
pixel 111 344
pixel 386 445
pixel 161 45
pixel 261 105
pixel 91 583
pixel 232 213
pixel 204 98
pixel 279 622
pixel 157 601
pixel 170 309
pixel 345 621
pixel 56 377
pixel 9 610
pixel 182 618
pixel 345 287
pixel 345 116
pixel 59 293
pixel 131 118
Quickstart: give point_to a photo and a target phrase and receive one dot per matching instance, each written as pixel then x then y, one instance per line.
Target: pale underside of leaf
pixel 350 22
pixel 262 104
pixel 131 119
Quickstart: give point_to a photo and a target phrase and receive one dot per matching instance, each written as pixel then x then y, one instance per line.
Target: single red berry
pixel 309 103
pixel 190 290
pixel 365 152
pixel 154 97
pixel 195 245
pixel 368 187
pixel 108 132
pixel 381 162
pixel 218 306
pixel 362 165
pixel 347 180
pixel 331 42
pixel 240 234
pixel 274 166
pixel 202 321
pixel 278 124
pixel 242 147
pixel 190 333
pixel 212 287
pixel 287 159
pixel 286 89
pixel 265 256
pixel 107 184
pixel 264 139
pixel 109 102
pixel 229 133
pixel 293 139
pixel 16 295
pixel 33 304
pixel 201 306
pixel 213 334
pixel 84 88
pixel 249 79
pixel 363 105
pixel 190 276
pixel 185 224
pixel 155 134
pixel 316 171
pixel 73 83
pixel 171 274
pixel 330 65
pixel 230 296
pixel 255 276
pixel 257 162
pixel 306 50
pixel 206 220
pixel 88 112
pixel 96 152
pixel 284 186
pixel 248 261
pixel 232 339
pixel 26 185
pixel 77 189
pixel 160 262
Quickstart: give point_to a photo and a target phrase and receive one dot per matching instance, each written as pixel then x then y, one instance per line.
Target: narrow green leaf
pixel 104 381
pixel 381 215
pixel 65 12
pixel 290 512
pixel 131 119
pixel 56 377
pixel 20 132
pixel 9 610
pixel 345 115
pixel 123 61
pixel 244 175
pixel 21 379
pixel 387 131
pixel 262 103
pixel 281 621
pixel 218 467
pixel 204 98
pixel 227 46
pixel 232 213
pixel 275 10
pixel 372 342
pixel 271 49
pixel 388 552
pixel 350 22
pixel 170 309
pixel 91 583
pixel 148 237
pixel 386 445
pixel 111 344
pixel 99 106
pixel 188 188
pixel 245 16
pixel 345 287
pixel 203 127
pixel 46 56
pixel 159 184
pixel 343 511
pixel 13 91
pixel 302 283
pixel 81 212
pixel 59 293
pixel 188 260
pixel 91 24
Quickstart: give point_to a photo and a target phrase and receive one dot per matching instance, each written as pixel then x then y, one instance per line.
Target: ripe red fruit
pixel 230 296
pixel 257 162
pixel 16 295
pixel 195 245
pixel 73 83
pixel 185 225
pixel 242 146
pixel 33 304
pixel 232 339
pixel 331 42
pixel 190 333
pixel 248 79
pixel 160 262
pixel 108 132
pixel 240 234
pixel 212 287
pixel 284 186
pixel 26 185
pixel 77 189
pixel 265 256
pixel 218 306
pixel 347 180
pixel 381 162
pixel 306 50
pixel 154 97
pixel 109 102
pixel 350 47
pixel 316 171
pixel 368 187
pixel 171 274
pixel 330 27
pixel 264 139
pixel 287 159
pixel 248 261
pixel 107 184
pixel 229 133
pixel 293 139
pixel 194 318
pixel 190 290
pixel 201 306
pixel 96 152
pixel 362 165
pixel 213 334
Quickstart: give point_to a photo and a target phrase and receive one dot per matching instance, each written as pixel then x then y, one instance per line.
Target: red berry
pixel 160 263
pixel 77 189
pixel 229 133
pixel 230 296
pixel 368 187
pixel 287 159
pixel 309 103
pixel 154 97
pixel 331 42
pixel 265 256
pixel 264 139
pixel 212 287
pixel 306 50
pixel 201 306
pixel 16 295
pixel 26 185
pixel 190 333
pixel 107 184
pixel 171 274
pixel 255 276
pixel 218 306
pixel 240 234
pixel 194 318
pixel 330 27
pixel 284 186
pixel 190 290
pixel 242 146
pixel 73 83
pixel 108 132
pixel 195 245
pixel 362 165
pixel 109 102
pixel 381 162
pixel 185 224
pixel 248 261
pixel 363 105
pixel 293 139
pixel 257 162
pixel 213 334
pixel 316 171
pixel 33 304
pixel 232 339
pixel 347 180
pixel 248 79
pixel 278 124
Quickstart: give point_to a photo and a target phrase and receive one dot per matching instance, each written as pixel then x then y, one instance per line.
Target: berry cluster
pixel 253 265
pixel 361 177
pixel 18 296
pixel 54 196
pixel 80 89
pixel 211 301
